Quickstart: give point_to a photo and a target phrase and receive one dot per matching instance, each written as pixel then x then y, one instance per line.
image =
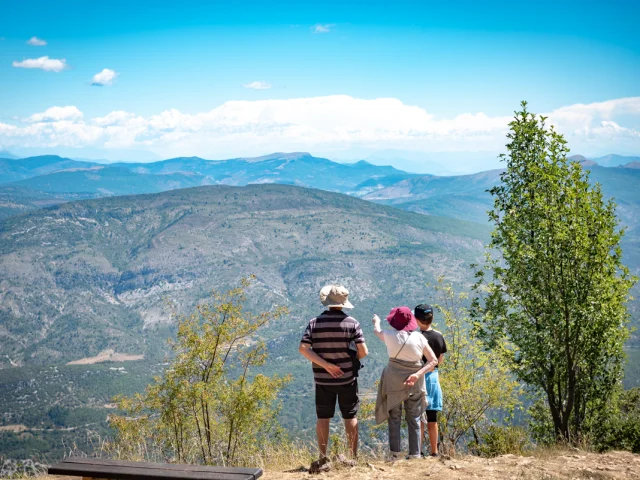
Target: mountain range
pixel 34 182
pixel 91 254
pixel 107 265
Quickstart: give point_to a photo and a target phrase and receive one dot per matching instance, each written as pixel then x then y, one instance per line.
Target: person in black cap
pixel 424 315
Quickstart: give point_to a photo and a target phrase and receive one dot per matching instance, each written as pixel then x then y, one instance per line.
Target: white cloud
pixel 56 114
pixel 43 63
pixel 118 117
pixel 36 42
pixel 323 28
pixel 329 126
pixel 257 85
pixel 104 78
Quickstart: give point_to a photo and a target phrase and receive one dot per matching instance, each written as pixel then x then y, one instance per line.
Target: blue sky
pixel 446 58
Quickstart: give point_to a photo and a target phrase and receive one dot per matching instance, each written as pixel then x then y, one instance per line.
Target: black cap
pixel 421 311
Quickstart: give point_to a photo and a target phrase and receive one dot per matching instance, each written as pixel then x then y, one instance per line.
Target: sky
pixel 413 84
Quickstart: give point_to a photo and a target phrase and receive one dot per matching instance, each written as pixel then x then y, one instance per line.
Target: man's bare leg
pixel 351 427
pixel 322 432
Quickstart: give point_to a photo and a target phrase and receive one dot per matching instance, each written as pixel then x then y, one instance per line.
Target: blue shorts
pixel 434 392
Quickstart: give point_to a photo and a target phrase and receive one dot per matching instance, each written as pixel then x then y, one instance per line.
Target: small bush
pixel 621 430
pixel 501 440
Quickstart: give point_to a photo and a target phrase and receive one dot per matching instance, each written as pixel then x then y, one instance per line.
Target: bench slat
pixel 127 473
pixel 120 470
pixel 161 466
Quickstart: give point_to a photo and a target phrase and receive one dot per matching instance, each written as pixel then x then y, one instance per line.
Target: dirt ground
pixel 578 465
pixel 552 466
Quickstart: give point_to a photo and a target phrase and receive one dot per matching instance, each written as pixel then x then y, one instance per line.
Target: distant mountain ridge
pixel 62 179
pixel 293 168
pixel 613 160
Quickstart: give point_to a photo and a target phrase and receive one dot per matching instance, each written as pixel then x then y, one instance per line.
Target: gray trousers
pixel 412 413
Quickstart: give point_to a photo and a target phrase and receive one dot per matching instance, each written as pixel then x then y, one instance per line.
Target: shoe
pixel 434 455
pixel 395 456
pixel 412 457
pixel 321 465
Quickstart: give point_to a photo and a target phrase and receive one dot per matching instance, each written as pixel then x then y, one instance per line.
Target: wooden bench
pixel 92 468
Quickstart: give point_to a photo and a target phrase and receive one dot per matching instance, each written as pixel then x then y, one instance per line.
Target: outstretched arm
pixel 309 354
pixel 376 327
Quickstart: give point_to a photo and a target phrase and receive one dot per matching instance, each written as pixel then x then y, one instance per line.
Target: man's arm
pixel 441 359
pixel 363 351
pixel 309 354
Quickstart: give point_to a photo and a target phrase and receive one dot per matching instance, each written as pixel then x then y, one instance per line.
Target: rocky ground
pixel 547 466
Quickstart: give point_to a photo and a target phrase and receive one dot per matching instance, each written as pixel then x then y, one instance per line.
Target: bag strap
pixel 405 342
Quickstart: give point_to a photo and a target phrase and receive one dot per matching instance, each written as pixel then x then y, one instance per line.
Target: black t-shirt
pixel 436 342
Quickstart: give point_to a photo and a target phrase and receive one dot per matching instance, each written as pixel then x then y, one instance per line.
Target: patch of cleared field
pixel 108 355
pixel 13 428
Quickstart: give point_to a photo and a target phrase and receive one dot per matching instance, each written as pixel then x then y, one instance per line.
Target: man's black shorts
pixel 347 396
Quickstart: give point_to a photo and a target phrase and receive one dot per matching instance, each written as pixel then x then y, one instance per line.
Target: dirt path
pixel 578 465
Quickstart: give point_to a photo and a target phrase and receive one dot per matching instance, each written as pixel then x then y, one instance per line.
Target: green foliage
pixel 620 429
pixel 541 423
pixel 475 382
pixel 206 407
pixel 557 290
pixel 502 440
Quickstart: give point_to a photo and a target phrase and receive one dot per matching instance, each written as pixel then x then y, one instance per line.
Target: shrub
pixel 475 382
pixel 502 440
pixel 621 430
pixel 207 407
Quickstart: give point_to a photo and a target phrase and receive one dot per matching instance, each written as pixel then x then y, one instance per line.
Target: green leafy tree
pixel 206 407
pixel 557 288
pixel 475 382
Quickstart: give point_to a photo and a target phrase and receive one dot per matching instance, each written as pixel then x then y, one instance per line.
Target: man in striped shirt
pixel 326 343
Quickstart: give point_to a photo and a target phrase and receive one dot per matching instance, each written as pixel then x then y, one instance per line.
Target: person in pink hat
pixel 402 380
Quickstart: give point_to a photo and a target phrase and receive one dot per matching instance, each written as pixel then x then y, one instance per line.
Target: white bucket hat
pixel 335 296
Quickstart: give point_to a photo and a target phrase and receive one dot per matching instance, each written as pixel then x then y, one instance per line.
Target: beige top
pixel 415 347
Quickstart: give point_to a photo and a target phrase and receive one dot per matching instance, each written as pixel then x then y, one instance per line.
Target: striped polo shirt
pixel 329 335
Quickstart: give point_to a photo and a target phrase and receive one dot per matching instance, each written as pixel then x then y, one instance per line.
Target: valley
pixel 89 271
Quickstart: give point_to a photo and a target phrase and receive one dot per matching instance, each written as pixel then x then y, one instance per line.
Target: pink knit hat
pixel 402 319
